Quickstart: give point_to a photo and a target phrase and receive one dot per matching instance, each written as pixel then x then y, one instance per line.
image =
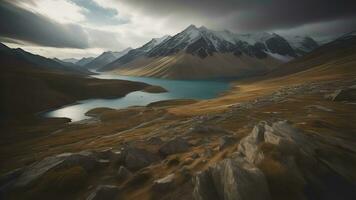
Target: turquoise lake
pixel 177 89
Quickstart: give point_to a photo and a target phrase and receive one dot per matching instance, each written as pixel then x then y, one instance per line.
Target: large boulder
pixel 104 192
pixel 86 160
pixel 164 184
pixel 177 145
pixel 248 146
pixel 347 94
pixel 231 179
pixel 281 134
pixel 123 173
pixel 226 141
pixel 136 158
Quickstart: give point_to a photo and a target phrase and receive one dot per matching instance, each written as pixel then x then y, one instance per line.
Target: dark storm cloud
pixel 20 24
pixel 250 15
pixel 97 14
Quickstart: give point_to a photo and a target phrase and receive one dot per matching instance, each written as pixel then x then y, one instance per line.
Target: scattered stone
pixel 185 172
pixel 226 141
pixel 164 184
pixel 104 192
pixel 208 153
pixel 188 161
pixel 177 145
pixel 106 154
pixel 135 158
pixel 195 155
pixel 139 178
pixel 154 141
pixel 231 179
pixel 172 162
pixel 208 129
pixel 103 162
pixel 318 107
pixel 123 173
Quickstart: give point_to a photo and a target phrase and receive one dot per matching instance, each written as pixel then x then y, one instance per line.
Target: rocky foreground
pixel 297 142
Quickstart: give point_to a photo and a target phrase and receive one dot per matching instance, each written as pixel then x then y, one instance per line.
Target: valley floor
pixel 206 132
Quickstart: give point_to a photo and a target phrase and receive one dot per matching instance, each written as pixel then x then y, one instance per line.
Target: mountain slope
pixel 27 88
pixel 135 53
pixel 82 62
pixel 105 58
pixel 204 53
pixel 11 56
pixel 331 57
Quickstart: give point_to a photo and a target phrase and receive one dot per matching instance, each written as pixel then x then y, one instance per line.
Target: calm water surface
pixel 177 89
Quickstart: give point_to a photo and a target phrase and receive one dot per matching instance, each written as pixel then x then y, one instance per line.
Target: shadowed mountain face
pixel 31 83
pixel 195 47
pixel 84 61
pixel 10 56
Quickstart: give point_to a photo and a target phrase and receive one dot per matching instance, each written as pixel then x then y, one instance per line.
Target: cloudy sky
pixel 77 28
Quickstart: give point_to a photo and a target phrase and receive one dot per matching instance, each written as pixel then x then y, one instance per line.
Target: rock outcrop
pixel 163 184
pixel 282 134
pixel 226 141
pixel 104 192
pixel 123 173
pixel 239 178
pixel 174 146
pixel 136 158
pixel 87 160
pixel 231 179
pixel 347 94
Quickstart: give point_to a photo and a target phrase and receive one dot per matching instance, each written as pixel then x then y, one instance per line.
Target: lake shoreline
pixel 160 90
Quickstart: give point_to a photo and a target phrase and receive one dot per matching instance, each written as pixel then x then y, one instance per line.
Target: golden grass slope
pixel 187 66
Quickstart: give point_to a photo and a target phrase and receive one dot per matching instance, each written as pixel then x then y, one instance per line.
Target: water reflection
pixel 177 89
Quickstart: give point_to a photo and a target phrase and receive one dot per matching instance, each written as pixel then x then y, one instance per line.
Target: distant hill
pixel 105 58
pixel 12 56
pixel 31 83
pixel 82 62
pixel 70 60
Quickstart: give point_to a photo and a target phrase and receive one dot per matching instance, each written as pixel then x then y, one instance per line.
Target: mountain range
pixel 204 53
pixel 105 58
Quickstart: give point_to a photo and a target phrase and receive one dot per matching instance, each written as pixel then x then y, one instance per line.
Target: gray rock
pixel 123 173
pixel 104 192
pixel 106 154
pixel 347 94
pixel 318 107
pixel 231 179
pixel 177 145
pixel 164 184
pixel 208 153
pixel 87 160
pixel 195 155
pixel 208 129
pixel 282 134
pixel 154 141
pixel 135 158
pixel 185 172
pixel 248 146
pixel 226 141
